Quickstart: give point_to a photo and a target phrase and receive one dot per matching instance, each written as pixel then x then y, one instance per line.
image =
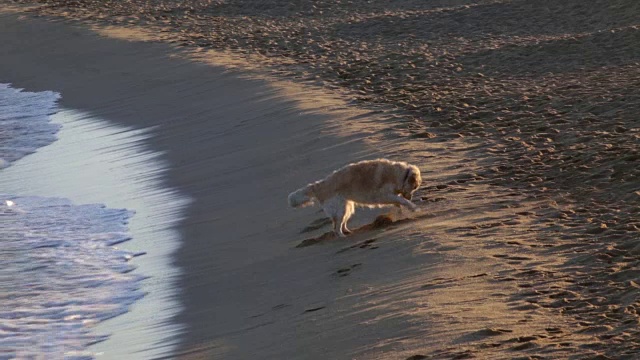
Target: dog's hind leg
pixel 349 210
pixel 336 208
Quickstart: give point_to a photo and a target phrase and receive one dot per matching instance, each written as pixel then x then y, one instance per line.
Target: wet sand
pixel 522 117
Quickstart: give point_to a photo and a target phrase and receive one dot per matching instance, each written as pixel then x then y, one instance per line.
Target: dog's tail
pixel 301 197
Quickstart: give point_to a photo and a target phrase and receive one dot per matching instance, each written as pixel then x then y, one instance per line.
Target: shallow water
pixel 24 122
pixel 67 212
pixel 61 275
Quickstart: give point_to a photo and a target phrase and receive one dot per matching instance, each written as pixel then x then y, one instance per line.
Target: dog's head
pixel 411 182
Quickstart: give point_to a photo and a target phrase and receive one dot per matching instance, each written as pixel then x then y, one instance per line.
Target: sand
pixel 522 115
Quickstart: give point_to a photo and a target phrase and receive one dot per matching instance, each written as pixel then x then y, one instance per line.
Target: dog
pixel 369 183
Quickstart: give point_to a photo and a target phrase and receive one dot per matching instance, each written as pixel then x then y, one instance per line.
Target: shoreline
pixel 475 290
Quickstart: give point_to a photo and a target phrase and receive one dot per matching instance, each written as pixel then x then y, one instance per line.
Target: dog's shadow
pixel 383 221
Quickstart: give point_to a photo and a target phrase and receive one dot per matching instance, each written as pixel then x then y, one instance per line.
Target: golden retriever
pixel 365 183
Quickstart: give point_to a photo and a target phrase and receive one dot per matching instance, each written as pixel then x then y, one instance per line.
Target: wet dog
pixel 369 183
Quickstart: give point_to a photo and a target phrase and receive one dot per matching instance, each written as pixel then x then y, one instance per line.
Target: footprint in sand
pixel 347 270
pixel 525 346
pixel 367 244
pixel 313 309
pixel 492 332
pixel 417 357
pixel 526 307
pixel 553 330
pixel 436 199
pixel 316 224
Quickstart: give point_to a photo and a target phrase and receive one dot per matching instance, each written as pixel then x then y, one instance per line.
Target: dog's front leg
pixel 400 201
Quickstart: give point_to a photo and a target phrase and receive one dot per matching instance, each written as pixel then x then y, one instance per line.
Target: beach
pixel 521 115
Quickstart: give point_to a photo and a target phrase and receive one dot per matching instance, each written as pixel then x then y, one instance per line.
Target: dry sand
pixel 522 114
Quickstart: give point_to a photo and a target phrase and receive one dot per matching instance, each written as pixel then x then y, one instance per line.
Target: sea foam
pixel 24 122
pixel 61 273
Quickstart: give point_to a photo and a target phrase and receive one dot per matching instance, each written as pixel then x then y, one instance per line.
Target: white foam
pixel 24 122
pixel 94 161
pixel 60 275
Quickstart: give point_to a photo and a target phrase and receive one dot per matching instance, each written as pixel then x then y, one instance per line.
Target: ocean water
pixel 24 122
pixel 60 275
pixel 62 270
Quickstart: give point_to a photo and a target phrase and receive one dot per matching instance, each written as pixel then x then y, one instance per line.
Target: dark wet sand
pixel 523 118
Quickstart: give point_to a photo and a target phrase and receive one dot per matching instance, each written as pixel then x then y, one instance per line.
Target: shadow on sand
pixel 383 221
